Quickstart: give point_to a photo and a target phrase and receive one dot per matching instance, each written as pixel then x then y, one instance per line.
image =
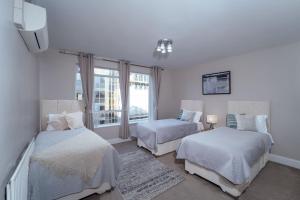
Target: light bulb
pixel 163 51
pixel 169 47
pixel 158 46
pixel 162 46
pixel 169 50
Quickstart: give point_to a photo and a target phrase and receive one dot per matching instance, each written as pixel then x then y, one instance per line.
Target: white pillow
pixel 261 123
pixel 74 120
pixel 245 122
pixel 187 115
pixel 197 117
pixel 57 122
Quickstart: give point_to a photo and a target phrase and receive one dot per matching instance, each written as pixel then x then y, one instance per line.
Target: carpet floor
pixel 274 182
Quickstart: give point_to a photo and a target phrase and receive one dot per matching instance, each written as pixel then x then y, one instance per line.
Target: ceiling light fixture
pixel 158 46
pixel 164 46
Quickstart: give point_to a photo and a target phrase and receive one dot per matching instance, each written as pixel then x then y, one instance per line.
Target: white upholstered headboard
pixel 250 108
pixel 193 105
pixel 57 106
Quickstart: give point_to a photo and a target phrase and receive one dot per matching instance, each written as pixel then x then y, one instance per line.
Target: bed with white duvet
pixel 226 156
pixel 163 136
pixel 69 161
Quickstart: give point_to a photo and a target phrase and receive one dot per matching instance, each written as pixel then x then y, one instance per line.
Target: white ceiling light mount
pixel 164 46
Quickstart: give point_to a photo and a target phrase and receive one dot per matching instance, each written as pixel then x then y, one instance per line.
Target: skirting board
pixel 285 161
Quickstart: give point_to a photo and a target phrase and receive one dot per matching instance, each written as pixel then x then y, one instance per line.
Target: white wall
pixel 270 74
pixel 19 94
pixel 168 107
pixel 57 75
pixel 57 81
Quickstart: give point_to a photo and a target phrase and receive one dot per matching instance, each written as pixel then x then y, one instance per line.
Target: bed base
pixel 161 148
pixel 223 183
pixel 105 187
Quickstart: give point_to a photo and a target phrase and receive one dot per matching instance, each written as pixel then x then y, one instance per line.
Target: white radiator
pixel 17 186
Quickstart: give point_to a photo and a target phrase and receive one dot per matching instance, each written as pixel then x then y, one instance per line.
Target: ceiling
pixel 202 30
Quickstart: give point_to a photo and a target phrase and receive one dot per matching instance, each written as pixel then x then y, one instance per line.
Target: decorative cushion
pixel 180 114
pixel 74 120
pixel 261 122
pixel 245 122
pixel 187 116
pixel 57 122
pixel 231 121
pixel 197 117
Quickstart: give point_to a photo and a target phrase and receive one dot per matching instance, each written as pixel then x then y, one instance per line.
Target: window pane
pixel 107 99
pixel 78 86
pixel 139 96
pixel 106 72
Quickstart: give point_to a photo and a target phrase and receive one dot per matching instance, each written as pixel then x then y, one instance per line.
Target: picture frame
pixel 216 83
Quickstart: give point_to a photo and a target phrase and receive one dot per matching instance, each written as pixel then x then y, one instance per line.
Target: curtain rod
pixel 99 58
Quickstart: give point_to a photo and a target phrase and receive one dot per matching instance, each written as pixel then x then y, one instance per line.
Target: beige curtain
pixel 124 89
pixel 155 85
pixel 86 65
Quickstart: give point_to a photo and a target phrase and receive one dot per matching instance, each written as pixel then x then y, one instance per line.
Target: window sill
pixel 106 125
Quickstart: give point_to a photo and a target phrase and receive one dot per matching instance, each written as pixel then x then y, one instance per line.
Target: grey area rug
pixel 143 177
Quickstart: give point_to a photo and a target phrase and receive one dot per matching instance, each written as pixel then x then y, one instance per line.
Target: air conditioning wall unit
pixel 31 21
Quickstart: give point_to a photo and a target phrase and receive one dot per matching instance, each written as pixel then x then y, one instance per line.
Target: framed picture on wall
pixel 216 83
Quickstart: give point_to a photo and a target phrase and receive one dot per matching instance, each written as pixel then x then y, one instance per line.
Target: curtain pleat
pixel 124 90
pixel 86 65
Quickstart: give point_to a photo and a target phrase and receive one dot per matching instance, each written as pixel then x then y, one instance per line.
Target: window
pixel 139 96
pixel 107 99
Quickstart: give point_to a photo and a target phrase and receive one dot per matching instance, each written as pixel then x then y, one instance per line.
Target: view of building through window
pixel 107 99
pixel 78 86
pixel 139 96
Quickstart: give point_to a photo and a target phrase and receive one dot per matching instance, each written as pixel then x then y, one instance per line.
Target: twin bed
pixel 70 164
pixel 163 136
pixel 228 157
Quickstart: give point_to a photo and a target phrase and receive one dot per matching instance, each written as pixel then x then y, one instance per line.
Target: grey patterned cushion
pixel 187 116
pixel 179 115
pixel 231 121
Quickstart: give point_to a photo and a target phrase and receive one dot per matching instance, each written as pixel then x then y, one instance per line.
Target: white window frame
pixel 109 68
pixel 146 72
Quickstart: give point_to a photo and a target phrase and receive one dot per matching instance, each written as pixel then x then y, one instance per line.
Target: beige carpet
pixel 274 182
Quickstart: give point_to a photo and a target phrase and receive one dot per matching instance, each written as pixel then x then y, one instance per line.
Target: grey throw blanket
pixel 70 156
